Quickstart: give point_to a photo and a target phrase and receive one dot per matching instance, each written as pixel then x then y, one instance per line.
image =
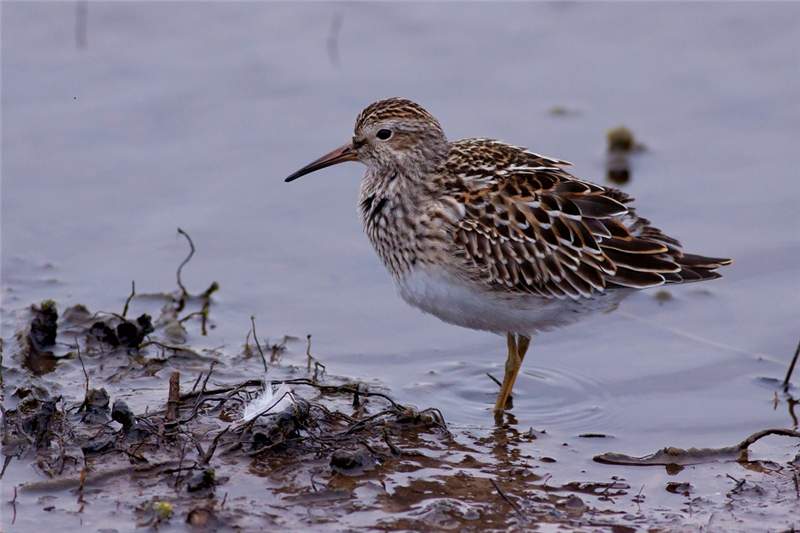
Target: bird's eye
pixel 383 134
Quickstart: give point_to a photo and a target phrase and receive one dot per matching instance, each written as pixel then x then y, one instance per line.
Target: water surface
pixel 190 115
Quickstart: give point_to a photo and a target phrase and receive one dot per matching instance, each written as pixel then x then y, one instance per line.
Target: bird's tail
pixel 696 268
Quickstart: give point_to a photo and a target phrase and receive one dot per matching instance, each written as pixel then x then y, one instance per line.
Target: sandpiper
pixel 490 236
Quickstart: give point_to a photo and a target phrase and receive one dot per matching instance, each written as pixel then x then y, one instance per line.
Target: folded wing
pixel 529 226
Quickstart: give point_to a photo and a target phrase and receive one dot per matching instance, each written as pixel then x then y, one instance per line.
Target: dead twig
pixel 739 484
pixel 277 349
pixel 128 301
pixel 395 451
pixel 317 367
pixel 62 452
pixel 85 374
pixel 204 311
pixel 206 296
pixel 309 357
pixel 184 292
pixel 81 482
pixel 342 388
pixel 180 464
pixel 508 501
pixel 14 506
pixel 197 381
pixel 190 316
pixel 204 396
pixel 638 498
pixel 7 459
pixel 438 417
pixel 205 382
pixel 173 401
pixel 223 390
pixel 317 364
pixel 176 349
pixel 679 456
pixel 210 370
pixel 791 369
pixel 258 344
pixel 4 421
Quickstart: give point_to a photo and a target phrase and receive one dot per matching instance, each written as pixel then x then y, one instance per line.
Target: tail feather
pixel 698 268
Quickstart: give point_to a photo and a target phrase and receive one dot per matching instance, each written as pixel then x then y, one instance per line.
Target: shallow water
pixel 190 115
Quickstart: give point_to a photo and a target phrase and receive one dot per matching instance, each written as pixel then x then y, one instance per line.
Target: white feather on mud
pixel 272 400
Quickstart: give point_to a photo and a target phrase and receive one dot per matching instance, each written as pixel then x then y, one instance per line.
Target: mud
pixel 342 456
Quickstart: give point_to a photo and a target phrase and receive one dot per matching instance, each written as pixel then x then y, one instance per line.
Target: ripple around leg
pixel 561 398
pixel 548 397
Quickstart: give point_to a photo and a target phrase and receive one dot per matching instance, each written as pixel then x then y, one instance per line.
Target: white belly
pixel 458 302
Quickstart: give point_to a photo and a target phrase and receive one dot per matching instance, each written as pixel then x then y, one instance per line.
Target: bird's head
pixel 391 136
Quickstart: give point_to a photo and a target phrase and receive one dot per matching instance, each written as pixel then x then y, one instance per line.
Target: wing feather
pixel 530 227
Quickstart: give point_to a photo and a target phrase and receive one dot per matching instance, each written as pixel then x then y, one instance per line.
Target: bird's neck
pixel 390 207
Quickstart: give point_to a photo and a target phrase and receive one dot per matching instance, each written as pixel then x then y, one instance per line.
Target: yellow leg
pixel 517 348
pixel 513 363
pixel 523 341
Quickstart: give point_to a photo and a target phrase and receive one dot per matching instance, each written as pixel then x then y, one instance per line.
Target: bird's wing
pixel 529 226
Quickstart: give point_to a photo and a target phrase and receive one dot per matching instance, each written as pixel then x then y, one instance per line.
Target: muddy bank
pixel 119 421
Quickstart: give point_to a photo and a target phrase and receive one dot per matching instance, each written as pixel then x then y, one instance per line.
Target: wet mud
pixel 119 424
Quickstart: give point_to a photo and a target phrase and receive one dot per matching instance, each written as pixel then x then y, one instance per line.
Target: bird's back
pixel 528 226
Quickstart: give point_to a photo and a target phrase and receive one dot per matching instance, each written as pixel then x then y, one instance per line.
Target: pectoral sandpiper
pixel 491 236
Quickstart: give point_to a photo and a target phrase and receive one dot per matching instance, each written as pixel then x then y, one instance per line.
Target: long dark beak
pixel 340 155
